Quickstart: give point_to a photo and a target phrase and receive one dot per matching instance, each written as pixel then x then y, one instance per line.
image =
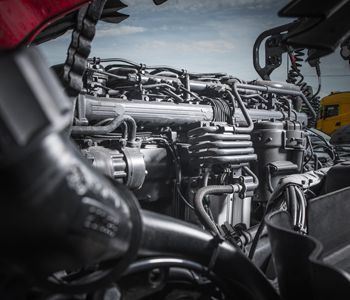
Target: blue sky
pixel 200 36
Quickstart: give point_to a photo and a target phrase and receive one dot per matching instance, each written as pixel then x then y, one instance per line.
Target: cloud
pixel 193 5
pixel 119 30
pixel 200 46
pixel 198 35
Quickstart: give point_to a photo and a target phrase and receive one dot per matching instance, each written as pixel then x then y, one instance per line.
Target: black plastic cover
pixel 314 266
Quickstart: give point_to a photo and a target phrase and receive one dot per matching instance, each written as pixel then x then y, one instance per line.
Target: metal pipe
pixel 250 126
pixel 223 152
pixel 255 184
pixel 155 114
pixel 175 96
pixel 189 94
pixel 268 89
pixel 221 144
pixel 188 87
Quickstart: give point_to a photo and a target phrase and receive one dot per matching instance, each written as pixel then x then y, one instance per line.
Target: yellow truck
pixel 334 112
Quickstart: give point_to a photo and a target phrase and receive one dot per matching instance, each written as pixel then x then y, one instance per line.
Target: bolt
pixel 155 277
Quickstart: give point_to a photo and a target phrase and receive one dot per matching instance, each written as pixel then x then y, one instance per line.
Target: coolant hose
pixel 199 207
pixel 131 128
pixel 95 130
pixel 113 125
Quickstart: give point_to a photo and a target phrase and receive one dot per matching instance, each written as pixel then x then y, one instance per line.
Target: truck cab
pixel 334 112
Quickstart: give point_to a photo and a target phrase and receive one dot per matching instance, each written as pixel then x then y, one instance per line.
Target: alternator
pixel 126 164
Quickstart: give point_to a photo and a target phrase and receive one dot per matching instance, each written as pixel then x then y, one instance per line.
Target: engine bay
pixel 135 181
pixel 206 146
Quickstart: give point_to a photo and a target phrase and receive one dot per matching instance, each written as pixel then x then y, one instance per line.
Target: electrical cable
pixel 177 169
pixel 278 192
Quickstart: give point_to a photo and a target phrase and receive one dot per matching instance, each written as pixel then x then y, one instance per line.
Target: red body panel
pixel 22 20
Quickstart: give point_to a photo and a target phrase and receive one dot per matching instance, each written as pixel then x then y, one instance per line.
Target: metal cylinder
pixel 279 147
pixel 155 114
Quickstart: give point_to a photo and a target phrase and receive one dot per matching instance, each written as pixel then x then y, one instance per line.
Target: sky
pixel 199 36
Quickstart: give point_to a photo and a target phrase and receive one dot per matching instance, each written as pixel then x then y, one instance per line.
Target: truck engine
pixel 135 181
pixel 205 148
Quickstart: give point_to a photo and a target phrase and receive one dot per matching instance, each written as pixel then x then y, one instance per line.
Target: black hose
pixel 268 175
pixel 100 130
pixel 165 236
pixel 157 68
pixel 152 263
pixel 125 69
pixel 199 207
pixel 132 127
pixel 170 262
pixel 94 130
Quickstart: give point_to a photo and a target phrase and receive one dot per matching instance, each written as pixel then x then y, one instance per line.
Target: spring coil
pixel 295 76
pixel 294 73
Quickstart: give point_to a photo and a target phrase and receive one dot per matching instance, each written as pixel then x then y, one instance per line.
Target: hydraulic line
pixel 175 96
pixel 191 94
pixel 268 89
pixel 255 182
